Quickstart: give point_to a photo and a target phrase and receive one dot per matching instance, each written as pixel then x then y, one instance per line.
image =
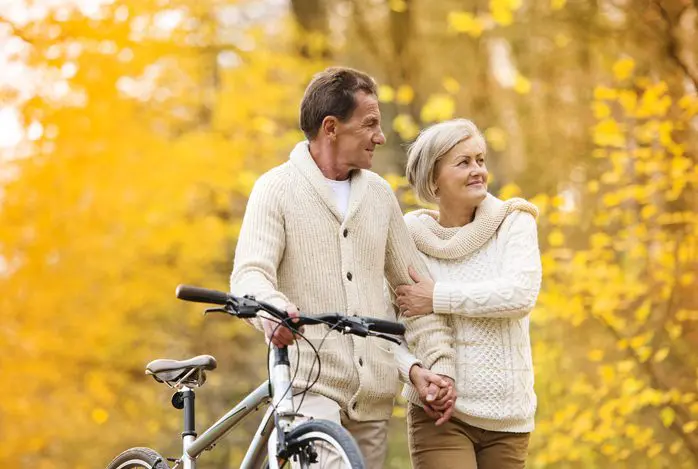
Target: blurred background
pixel 131 133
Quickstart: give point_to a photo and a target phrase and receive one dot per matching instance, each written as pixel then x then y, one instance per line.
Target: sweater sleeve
pixel 261 245
pixel 513 294
pixel 429 336
pixel 403 357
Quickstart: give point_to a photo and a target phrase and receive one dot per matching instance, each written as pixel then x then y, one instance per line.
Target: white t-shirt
pixel 341 191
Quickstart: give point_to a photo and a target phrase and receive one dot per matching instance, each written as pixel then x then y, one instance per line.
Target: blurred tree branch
pixel 15 30
pixel 674 44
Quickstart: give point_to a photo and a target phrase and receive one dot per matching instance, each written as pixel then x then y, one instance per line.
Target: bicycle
pixel 278 441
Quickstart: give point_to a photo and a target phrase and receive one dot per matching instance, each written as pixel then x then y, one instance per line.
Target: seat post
pixel 189 419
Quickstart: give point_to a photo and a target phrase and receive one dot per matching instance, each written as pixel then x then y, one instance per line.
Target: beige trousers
pixel 457 444
pixel 371 436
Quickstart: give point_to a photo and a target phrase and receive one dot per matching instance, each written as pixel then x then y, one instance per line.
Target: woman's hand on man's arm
pixel 416 299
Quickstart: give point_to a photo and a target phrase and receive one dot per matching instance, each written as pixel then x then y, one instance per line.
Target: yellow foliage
pixel 398 6
pixel 557 4
pixel 404 95
pixel 667 414
pixel 556 238
pixel 522 85
pixel 608 133
pixel 661 355
pixel 605 93
pixel 451 85
pixel 405 126
pixel 438 107
pixel 508 191
pixel 386 94
pixel 502 11
pixel 496 138
pixel 601 109
pixel 465 22
pixel 623 68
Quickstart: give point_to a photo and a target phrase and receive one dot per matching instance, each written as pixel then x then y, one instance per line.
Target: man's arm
pixel 403 357
pixel 430 337
pixel 261 244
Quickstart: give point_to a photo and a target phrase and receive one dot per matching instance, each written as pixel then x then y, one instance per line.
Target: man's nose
pixel 379 138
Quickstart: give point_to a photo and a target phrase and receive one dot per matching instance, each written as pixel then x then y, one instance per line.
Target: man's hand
pixel 417 299
pixel 280 335
pixel 437 393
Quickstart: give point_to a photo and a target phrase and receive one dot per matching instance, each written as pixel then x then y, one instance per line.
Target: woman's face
pixel 461 174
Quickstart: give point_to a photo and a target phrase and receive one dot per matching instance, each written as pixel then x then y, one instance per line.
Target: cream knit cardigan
pixel 487 278
pixel 294 246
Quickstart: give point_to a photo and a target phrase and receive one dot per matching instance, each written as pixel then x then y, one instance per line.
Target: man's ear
pixel 329 127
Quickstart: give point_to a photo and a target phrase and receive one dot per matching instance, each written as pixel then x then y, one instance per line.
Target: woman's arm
pixel 514 293
pixel 430 336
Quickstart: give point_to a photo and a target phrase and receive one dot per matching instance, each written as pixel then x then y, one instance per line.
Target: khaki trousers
pixel 456 444
pixel 371 436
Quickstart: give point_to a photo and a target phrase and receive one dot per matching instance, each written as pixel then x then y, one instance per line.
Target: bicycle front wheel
pixel 138 458
pixel 321 444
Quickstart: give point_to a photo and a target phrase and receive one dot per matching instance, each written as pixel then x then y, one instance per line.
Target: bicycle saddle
pixel 166 371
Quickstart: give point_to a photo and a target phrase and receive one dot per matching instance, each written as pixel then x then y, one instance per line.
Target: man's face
pixel 356 139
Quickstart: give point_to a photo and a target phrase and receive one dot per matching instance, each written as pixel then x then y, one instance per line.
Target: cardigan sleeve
pixel 430 336
pixel 403 357
pixel 261 245
pixel 513 294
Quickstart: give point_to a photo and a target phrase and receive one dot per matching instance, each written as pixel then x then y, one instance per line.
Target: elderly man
pixel 320 233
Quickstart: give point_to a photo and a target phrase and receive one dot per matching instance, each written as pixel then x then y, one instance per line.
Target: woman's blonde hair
pixel 429 147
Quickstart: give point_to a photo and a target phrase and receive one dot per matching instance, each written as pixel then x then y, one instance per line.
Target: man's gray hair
pixel 429 147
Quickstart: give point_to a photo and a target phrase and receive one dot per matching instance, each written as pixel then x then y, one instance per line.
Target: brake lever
pixel 217 310
pixel 386 337
pixel 354 326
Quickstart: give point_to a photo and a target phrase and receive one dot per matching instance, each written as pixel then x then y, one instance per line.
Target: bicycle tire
pixel 327 432
pixel 141 458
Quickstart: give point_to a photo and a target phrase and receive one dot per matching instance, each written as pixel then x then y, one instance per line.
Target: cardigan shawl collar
pixel 302 159
pixel 453 243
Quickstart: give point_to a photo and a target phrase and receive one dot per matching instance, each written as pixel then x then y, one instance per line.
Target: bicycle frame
pixel 279 416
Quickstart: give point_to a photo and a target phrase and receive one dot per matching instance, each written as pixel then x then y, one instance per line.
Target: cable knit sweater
pixel 295 246
pixel 487 278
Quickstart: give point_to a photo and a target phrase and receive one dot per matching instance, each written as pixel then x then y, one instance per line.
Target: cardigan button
pixel 349 276
pixel 346 232
pixel 361 362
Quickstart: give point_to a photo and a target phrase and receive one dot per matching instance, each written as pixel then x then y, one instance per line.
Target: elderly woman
pixel 483 256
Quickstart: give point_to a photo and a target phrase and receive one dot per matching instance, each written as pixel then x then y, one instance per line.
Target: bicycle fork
pixel 282 399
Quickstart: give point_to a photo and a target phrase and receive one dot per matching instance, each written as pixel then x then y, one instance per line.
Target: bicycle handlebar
pixel 248 307
pixel 201 295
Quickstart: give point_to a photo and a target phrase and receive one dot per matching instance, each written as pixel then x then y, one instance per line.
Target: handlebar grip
pixel 385 327
pixel 201 295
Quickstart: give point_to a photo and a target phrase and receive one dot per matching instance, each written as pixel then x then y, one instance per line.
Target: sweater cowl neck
pixel 453 243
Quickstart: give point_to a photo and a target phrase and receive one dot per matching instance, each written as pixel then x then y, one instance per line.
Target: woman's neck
pixel 451 216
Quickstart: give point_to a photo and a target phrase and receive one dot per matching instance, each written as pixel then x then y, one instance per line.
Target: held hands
pixel 437 393
pixel 417 299
pixel 280 335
